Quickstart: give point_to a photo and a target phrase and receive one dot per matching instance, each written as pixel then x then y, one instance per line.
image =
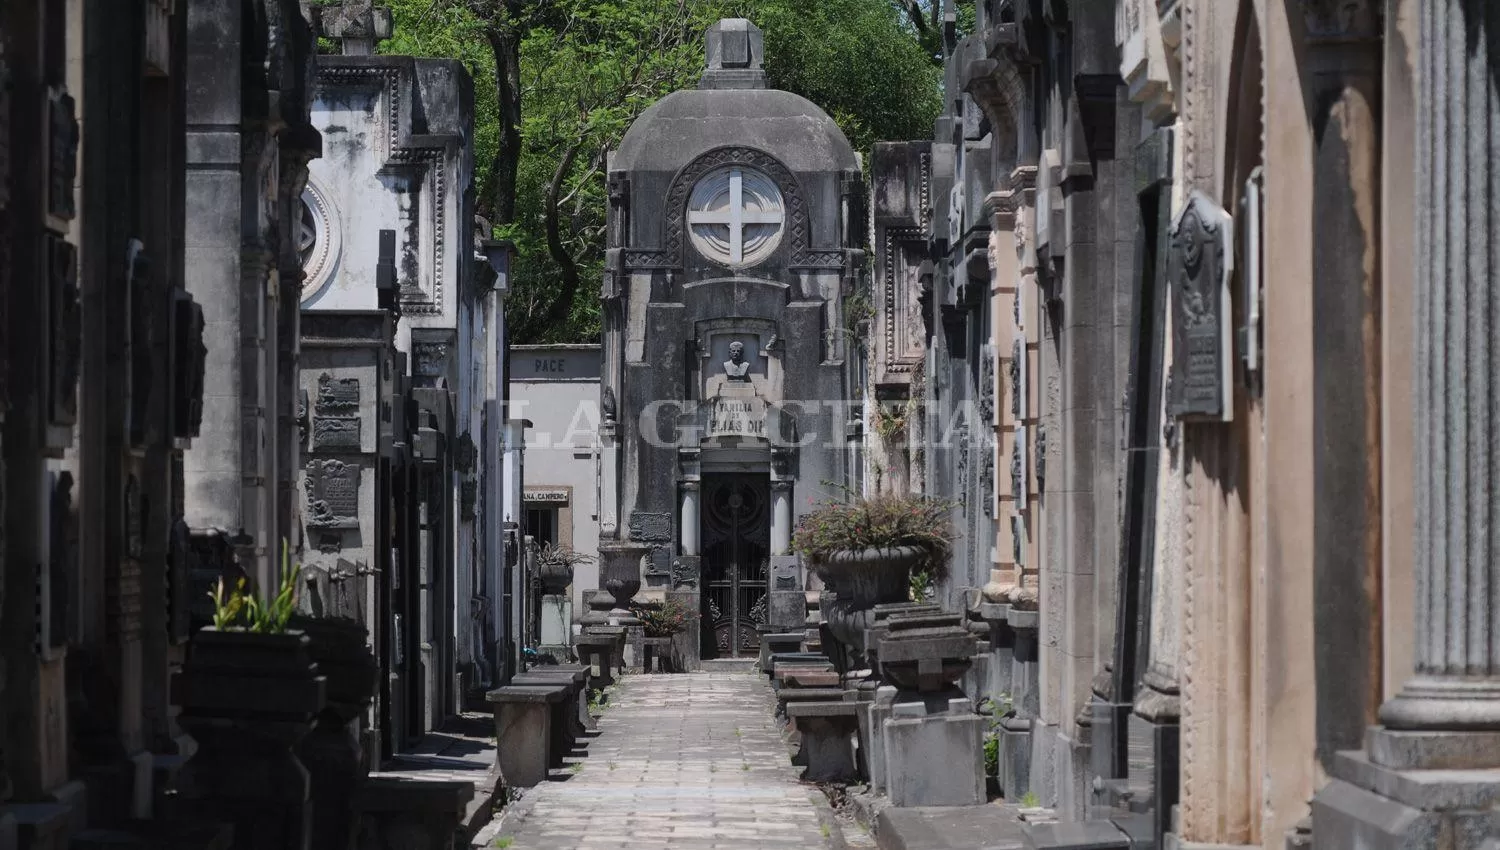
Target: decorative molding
pixel 397 156
pixel 798 231
pixel 328 241
pixel 896 312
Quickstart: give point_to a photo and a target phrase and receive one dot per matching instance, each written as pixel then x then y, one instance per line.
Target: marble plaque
pixel 332 494
pixel 336 434
pixel 337 395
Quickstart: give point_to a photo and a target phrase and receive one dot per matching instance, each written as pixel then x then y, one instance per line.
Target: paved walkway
pixel 682 762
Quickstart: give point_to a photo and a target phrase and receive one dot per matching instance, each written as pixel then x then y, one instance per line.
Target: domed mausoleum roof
pixel 732 106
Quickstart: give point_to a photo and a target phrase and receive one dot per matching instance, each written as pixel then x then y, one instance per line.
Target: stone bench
pixel 810 677
pixel 827 731
pixel 778 643
pixel 658 649
pixel 787 696
pixel 785 669
pixel 601 653
pixel 567 728
pixel 524 741
pixel 576 673
pixel 775 658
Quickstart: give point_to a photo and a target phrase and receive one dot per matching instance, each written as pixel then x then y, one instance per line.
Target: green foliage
pixel 590 67
pixel 664 620
pixel 242 610
pixel 994 710
pixel 919 584
pixel 879 522
pixel 1030 800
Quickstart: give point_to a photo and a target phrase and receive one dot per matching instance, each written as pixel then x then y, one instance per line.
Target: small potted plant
pixel 664 620
pixel 866 550
pixel 660 623
pixel 555 565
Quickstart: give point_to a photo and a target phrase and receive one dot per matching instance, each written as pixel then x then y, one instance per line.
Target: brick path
pixel 682 762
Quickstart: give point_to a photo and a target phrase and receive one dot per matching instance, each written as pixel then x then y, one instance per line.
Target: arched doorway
pixel 736 556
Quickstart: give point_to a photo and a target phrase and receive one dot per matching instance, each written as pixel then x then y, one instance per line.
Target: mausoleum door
pixel 736 552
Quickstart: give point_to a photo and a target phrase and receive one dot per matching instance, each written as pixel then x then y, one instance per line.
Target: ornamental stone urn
pixel 620 574
pixel 857 581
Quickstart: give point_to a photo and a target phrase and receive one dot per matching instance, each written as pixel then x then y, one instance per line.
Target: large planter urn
pixel 333 752
pixel 859 579
pixel 555 576
pixel 620 576
pixel 248 699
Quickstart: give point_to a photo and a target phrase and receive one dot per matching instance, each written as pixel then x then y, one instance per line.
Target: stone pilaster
pixel 1430 776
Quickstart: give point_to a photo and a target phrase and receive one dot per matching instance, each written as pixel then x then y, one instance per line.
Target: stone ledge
pixel 1402 750
pixel 1429 790
pixel 1076 835
pixel 988 827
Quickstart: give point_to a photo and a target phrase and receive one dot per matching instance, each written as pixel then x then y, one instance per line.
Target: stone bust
pixel 736 367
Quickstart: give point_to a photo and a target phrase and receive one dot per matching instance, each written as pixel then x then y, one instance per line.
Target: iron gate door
pixel 736 551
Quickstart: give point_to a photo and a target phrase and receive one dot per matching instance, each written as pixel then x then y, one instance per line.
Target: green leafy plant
pixel 919 585
pixel 664 620
pixel 880 522
pixel 994 709
pixel 227 608
pixel 553 553
pixel 241 610
pixel 1029 800
pixel 892 419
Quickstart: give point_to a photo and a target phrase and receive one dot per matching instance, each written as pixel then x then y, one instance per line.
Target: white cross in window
pixel 735 217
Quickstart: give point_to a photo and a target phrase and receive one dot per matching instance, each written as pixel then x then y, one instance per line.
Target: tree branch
pixel 562 305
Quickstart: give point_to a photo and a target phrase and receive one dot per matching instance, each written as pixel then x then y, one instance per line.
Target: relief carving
pixel 332 494
pixel 65 329
pixel 62 155
pixel 1198 270
pixel 337 395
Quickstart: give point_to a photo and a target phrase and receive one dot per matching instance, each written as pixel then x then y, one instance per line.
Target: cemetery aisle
pixel 682 762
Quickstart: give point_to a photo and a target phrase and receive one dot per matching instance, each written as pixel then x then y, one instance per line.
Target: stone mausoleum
pixel 735 223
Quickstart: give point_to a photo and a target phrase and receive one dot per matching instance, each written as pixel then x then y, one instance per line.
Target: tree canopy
pixel 558 82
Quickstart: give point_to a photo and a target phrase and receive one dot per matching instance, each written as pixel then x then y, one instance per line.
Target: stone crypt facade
pixel 732 243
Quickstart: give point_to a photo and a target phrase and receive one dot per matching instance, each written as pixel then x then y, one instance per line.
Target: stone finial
pixel 357 24
pixel 734 49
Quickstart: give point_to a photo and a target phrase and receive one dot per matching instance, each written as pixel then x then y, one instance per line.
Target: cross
pixel 736 217
pixel 357 24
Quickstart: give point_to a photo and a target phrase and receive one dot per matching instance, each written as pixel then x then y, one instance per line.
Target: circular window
pixel 318 242
pixel 735 216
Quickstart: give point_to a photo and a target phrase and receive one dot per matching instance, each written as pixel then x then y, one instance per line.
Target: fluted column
pixel 1457 466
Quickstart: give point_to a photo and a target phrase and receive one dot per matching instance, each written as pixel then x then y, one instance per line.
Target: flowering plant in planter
pixel 881 523
pixel 664 620
pixel 239 610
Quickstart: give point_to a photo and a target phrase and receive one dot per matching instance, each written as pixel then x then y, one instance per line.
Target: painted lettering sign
pixel 745 417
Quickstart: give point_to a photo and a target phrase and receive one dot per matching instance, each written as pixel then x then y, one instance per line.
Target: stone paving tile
pixel 682 762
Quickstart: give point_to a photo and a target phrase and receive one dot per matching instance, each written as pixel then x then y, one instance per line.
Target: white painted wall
pixel 556 388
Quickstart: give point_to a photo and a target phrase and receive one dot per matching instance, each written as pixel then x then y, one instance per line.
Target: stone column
pixel 781 517
pixel 689 519
pixel 1431 774
pixel 1457 380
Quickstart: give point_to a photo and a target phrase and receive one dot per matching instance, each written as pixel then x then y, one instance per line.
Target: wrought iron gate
pixel 736 554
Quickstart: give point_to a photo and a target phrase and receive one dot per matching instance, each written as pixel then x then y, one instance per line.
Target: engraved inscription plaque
pixel 332 494
pixel 1199 270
